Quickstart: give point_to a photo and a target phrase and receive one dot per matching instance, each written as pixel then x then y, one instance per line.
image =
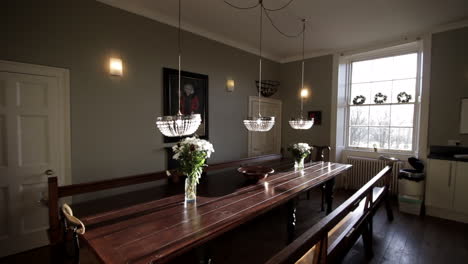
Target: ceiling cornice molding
pixel 159 17
pixel 381 44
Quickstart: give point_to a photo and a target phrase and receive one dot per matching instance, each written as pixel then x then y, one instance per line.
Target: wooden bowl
pixel 255 173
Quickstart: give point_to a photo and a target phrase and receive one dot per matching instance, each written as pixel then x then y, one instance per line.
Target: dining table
pixel 159 229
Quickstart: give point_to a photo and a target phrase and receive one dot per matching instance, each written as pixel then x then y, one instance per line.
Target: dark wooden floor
pixel 408 239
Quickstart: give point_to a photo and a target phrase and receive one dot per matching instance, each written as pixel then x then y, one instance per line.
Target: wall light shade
pixel 304 93
pixel 115 67
pixel 230 85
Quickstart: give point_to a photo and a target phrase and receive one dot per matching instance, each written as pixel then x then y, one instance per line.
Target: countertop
pixel 447 153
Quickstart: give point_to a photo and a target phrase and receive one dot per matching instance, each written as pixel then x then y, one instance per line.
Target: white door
pixel 440 184
pixel 263 143
pixel 30 146
pixel 460 199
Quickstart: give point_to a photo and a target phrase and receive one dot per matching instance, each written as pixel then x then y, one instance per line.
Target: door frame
pixel 277 121
pixel 64 132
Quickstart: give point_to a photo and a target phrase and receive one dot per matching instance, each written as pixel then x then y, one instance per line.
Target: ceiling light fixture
pixel 178 125
pixel 301 122
pixel 260 123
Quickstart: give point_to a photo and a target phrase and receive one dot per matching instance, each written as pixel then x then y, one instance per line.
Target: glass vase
pixel 190 190
pixel 299 164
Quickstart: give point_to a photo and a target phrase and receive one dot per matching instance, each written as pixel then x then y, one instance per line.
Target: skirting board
pixel 446 214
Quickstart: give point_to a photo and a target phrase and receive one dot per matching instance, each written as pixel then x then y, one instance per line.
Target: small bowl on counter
pixel 255 173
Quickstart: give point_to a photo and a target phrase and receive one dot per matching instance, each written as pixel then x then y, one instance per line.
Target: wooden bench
pixel 330 239
pixel 56 192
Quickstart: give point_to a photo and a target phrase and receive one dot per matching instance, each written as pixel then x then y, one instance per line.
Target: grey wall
pixel 113 119
pixel 449 83
pixel 318 78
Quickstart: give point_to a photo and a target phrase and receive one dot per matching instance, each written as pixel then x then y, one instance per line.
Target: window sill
pixel 371 154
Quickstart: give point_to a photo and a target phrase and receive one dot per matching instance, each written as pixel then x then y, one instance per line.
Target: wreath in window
pixel 380 98
pixel 359 100
pixel 403 97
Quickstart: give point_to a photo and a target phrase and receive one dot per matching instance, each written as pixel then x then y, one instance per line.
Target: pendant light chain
pixel 180 53
pixel 302 81
pixel 260 66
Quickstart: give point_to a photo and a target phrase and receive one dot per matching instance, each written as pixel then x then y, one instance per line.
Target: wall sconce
pixel 230 85
pixel 115 67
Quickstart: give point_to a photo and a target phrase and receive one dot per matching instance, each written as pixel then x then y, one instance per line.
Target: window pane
pixel 382 69
pixel 359 116
pixel 360 71
pixel 388 124
pixel 402 115
pixel 363 89
pixel 378 137
pixel 381 87
pixel 401 138
pixel 379 115
pixel 358 136
pixel 407 86
pixel 405 66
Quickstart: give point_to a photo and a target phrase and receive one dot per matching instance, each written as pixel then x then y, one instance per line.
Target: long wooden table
pixel 159 230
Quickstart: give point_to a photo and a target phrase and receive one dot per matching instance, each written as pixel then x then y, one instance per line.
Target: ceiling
pixel 332 25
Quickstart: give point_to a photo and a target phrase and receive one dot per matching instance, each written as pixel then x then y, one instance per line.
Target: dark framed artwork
pixel 317 116
pixel 193 98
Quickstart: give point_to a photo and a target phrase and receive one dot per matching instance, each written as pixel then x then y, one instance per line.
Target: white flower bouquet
pixel 191 153
pixel 300 151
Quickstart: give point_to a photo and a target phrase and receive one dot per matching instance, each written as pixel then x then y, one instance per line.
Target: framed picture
pixel 317 116
pixel 193 98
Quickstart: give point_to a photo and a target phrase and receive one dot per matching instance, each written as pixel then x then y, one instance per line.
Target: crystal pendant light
pixel 178 125
pixel 301 122
pixel 260 123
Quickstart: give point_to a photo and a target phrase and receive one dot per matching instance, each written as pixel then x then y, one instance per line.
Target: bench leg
pixel 329 194
pixel 388 208
pixel 367 238
pixel 291 220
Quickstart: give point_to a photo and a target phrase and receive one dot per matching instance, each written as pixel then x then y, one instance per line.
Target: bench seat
pixel 329 240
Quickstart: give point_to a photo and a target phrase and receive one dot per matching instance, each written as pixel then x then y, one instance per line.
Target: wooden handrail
pixel 319 231
pixel 81 188
pixel 56 192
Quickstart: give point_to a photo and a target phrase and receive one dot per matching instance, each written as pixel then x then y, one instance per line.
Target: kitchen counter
pixel 447 153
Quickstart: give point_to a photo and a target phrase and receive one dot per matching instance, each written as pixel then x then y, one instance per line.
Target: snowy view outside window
pixel 388 125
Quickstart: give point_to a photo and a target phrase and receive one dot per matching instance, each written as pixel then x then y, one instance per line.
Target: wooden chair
pixel 320 153
pixel 330 239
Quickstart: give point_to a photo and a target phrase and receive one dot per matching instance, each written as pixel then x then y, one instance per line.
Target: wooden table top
pixel 156 231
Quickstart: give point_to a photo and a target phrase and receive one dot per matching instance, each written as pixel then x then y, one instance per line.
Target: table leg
pixel 329 194
pixel 203 254
pixel 291 220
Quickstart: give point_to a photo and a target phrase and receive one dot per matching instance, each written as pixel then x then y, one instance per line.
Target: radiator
pixel 363 170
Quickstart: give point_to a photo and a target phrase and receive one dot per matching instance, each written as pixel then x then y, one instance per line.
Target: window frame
pixel 414 47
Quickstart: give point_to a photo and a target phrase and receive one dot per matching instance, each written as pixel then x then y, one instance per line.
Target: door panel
pixel 440 182
pixel 33 141
pixel 28 130
pixel 3 214
pixel 460 200
pixel 263 143
pixel 3 142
